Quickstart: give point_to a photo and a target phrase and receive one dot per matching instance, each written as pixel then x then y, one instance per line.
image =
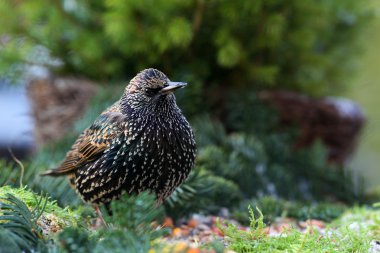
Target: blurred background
pixel 282 94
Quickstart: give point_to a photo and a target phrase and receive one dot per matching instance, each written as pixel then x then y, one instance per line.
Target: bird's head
pixel 151 84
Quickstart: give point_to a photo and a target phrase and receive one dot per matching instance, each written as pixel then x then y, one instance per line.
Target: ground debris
pixel 199 229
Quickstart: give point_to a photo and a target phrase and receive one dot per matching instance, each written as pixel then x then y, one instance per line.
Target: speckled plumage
pixel 142 142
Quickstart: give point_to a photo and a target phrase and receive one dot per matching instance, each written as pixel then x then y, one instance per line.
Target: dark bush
pixel 292 44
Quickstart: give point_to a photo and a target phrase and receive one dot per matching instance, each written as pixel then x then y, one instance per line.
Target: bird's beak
pixel 172 86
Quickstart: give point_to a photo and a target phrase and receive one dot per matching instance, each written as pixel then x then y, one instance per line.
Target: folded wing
pixel 91 144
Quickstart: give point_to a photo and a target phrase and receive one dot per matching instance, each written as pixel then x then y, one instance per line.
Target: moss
pixel 61 216
pixel 355 231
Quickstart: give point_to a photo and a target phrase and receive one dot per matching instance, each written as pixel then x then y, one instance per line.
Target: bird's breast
pixel 162 156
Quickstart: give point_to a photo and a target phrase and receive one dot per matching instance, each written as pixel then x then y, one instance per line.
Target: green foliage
pixel 203 192
pixel 129 228
pixel 335 239
pixel 238 238
pixel 18 225
pixel 135 213
pixel 267 164
pixel 288 44
pixel 9 173
pixel 76 240
pixel 64 216
pixel 280 164
pixel 277 207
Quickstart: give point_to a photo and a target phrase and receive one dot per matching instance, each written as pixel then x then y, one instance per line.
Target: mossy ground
pixel 356 230
pixel 65 216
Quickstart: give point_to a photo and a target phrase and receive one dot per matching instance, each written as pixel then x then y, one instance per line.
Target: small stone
pixel 374 247
pixel 177 232
pixel 203 227
pixel 303 224
pixel 192 223
pixel 224 213
pixel 168 222
pixel 193 250
pixel 317 223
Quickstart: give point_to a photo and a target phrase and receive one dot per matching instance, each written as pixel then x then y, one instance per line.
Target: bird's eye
pixel 152 91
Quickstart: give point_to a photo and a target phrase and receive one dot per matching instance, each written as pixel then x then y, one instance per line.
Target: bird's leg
pixel 100 215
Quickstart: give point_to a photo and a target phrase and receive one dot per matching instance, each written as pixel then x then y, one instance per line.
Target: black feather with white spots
pixel 152 145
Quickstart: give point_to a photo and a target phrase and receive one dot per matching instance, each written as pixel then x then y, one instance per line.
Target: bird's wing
pixel 91 144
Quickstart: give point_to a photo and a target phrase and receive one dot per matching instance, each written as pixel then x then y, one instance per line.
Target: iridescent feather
pixel 142 142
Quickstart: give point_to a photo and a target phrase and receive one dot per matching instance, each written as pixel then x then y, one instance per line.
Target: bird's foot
pixel 100 216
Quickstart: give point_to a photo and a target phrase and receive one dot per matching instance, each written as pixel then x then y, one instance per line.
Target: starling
pixel 141 143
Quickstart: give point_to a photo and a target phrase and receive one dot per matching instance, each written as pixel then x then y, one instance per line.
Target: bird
pixel 142 142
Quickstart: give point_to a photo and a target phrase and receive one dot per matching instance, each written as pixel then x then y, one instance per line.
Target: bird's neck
pixel 160 107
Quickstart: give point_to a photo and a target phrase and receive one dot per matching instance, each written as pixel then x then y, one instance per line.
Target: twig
pixel 19 163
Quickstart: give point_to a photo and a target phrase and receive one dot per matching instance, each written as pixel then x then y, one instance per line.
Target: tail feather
pixel 52 173
pixel 57 173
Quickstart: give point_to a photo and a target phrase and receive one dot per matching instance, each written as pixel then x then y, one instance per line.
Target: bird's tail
pixel 52 173
pixel 57 173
